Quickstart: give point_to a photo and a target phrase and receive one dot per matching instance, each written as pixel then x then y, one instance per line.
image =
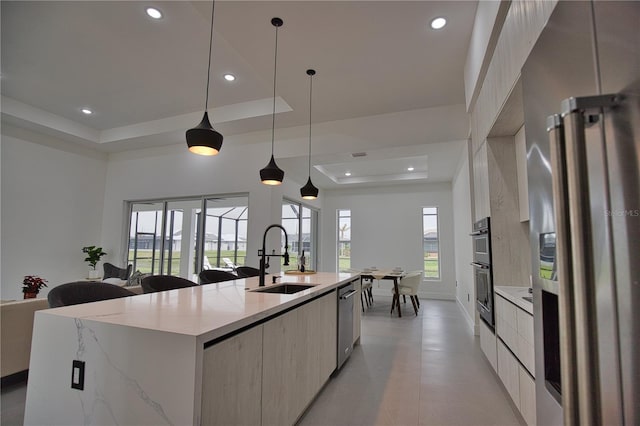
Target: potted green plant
pixel 93 257
pixel 31 285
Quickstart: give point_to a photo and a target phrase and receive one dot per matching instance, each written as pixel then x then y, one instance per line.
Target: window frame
pixel 200 226
pixel 339 241
pixel 314 235
pixel 426 277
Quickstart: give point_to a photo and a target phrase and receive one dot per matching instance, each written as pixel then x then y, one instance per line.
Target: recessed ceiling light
pixel 86 111
pixel 229 77
pixel 410 169
pixel 347 174
pixel 154 13
pixel 438 23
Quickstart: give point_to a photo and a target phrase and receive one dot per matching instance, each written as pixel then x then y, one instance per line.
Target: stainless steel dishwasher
pixel 345 322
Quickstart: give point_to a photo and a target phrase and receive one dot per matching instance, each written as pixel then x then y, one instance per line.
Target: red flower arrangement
pixel 33 284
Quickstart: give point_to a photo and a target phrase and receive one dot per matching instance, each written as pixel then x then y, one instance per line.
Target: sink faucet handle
pixel 274 278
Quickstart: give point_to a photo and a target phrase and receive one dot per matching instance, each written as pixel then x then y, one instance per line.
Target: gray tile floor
pixel 425 370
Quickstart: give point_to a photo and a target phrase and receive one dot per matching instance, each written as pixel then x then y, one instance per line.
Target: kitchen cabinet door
pixel 527 397
pixel 299 355
pixel 231 380
pixel 509 372
pixel 488 344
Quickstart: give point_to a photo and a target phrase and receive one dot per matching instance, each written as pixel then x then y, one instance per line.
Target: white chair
pixel 408 286
pixel 228 263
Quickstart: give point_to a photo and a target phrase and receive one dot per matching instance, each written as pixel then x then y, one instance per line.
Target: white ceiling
pixel 145 79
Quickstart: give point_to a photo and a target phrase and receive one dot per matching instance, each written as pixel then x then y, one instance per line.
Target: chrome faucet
pixel 264 258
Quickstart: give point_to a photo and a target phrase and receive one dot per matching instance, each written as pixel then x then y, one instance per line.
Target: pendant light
pixel 309 191
pixel 272 174
pixel 204 139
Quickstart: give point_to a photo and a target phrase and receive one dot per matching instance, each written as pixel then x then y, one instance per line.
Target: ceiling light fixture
pixel 86 111
pixel 347 174
pixel 309 191
pixel 438 23
pixel 204 139
pixel 410 169
pixel 154 13
pixel 229 77
pixel 272 174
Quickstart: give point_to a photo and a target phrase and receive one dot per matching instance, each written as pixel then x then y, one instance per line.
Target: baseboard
pixel 421 294
pixel 16 378
pixel 435 295
pixel 472 325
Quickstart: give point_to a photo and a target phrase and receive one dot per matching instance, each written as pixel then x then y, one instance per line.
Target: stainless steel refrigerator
pixel 581 94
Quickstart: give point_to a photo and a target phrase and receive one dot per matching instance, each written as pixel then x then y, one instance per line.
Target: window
pixel 301 223
pixel 431 243
pixel 170 236
pixel 344 240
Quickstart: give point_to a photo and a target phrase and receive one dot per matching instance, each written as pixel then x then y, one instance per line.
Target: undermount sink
pixel 528 298
pixel 284 288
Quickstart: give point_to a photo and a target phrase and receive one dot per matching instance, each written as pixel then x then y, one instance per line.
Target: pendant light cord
pixel 310 97
pixel 275 71
pixel 206 99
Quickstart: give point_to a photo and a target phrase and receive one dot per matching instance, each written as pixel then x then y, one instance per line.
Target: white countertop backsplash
pixel 514 295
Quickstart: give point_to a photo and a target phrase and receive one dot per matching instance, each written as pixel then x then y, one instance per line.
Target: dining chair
pixel 408 286
pixel 209 276
pixel 155 283
pixel 77 292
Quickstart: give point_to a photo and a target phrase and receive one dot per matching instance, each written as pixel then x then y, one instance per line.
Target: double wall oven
pixel 482 269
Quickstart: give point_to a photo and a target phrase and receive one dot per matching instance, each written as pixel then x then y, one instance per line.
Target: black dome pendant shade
pixel 272 174
pixel 204 139
pixel 309 191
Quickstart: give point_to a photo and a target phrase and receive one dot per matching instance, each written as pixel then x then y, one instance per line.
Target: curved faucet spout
pixel 263 254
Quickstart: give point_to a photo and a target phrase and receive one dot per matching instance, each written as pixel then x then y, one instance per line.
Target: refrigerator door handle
pixel 555 130
pixel 575 119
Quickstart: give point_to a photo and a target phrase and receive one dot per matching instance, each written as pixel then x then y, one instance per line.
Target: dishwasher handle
pixel 348 294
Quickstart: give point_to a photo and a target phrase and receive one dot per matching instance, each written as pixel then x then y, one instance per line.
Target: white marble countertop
pixel 514 295
pixel 206 312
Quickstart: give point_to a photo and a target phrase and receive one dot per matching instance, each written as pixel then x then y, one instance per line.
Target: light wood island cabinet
pixel 295 369
pixel 231 380
pixel 222 353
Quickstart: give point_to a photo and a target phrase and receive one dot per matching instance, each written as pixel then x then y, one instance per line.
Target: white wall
pixel 175 172
pixel 487 24
pixel 387 230
pixel 462 219
pixel 52 200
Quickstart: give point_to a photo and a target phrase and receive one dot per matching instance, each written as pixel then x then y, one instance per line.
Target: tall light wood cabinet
pixel 232 379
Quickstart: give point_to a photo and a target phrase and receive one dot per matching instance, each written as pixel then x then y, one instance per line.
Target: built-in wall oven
pixel 482 269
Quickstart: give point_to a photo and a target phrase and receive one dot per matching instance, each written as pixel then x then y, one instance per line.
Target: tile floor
pixel 425 370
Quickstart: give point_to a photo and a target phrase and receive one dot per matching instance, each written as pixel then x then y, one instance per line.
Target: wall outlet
pixel 77 375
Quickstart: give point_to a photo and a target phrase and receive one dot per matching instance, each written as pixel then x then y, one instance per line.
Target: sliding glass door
pixel 172 237
pixel 301 223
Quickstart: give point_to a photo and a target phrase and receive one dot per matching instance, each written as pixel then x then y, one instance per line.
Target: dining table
pixel 394 275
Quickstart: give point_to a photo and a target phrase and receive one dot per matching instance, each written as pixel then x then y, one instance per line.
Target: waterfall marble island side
pixel 187 356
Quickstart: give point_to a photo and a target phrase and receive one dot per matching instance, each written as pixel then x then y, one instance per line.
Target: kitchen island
pixel 213 354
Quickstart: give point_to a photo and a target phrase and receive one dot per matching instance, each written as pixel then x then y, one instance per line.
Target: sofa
pixel 16 329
